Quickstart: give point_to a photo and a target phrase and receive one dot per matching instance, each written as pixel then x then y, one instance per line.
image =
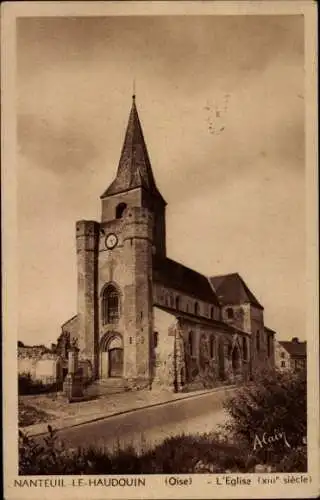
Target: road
pixel 149 426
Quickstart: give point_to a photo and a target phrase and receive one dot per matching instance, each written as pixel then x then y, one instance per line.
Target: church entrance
pixel 115 362
pixel 111 356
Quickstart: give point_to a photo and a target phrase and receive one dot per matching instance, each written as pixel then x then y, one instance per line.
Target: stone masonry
pixel 145 318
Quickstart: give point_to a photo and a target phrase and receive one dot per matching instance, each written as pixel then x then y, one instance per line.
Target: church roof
pixel 134 169
pixel 231 289
pixel 181 278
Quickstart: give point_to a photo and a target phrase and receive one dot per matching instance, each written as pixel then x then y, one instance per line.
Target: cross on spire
pixel 134 89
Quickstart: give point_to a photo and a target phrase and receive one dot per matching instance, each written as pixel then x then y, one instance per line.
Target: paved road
pixel 146 427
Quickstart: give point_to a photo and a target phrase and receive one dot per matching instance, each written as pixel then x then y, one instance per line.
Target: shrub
pixel 26 385
pixel 181 454
pixel 275 403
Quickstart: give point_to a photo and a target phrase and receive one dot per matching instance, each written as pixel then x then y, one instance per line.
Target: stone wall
pixel 238 316
pixel 71 328
pixel 163 372
pixel 42 365
pixel 194 354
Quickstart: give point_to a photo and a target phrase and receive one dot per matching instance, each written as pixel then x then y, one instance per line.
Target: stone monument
pixel 73 383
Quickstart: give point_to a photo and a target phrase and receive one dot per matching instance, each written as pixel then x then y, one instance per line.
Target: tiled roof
pixel 231 289
pixel 134 168
pixel 294 348
pixel 179 277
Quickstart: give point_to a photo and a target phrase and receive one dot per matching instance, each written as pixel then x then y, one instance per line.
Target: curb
pixel 116 414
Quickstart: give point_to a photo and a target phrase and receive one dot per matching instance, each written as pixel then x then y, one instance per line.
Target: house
pixel 291 355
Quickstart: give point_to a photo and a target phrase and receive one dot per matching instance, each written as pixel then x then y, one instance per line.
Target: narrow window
pixel 110 305
pixel 212 341
pixel 190 341
pixel 245 348
pixel 196 308
pixel 120 209
pixel 229 312
pixel 283 364
pixel 269 346
pixel 177 303
pixel 155 339
pixel 212 313
pixel 258 340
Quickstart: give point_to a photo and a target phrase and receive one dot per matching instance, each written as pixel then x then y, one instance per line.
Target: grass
pixel 29 415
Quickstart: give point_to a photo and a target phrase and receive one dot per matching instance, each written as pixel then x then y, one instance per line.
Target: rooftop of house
pixel 294 347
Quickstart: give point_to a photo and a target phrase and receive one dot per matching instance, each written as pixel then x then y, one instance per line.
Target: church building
pixel 145 319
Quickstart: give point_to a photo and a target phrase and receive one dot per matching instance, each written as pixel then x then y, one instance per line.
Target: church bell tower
pixel 115 267
pixel 134 183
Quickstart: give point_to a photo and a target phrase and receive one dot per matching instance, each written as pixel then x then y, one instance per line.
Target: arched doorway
pixel 111 356
pixel 235 358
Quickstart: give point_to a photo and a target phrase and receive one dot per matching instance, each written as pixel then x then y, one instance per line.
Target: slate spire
pixel 134 169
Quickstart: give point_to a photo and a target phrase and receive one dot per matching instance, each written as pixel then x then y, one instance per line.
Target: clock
pixel 111 241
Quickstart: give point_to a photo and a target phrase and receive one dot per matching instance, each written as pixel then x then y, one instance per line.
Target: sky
pixel 221 101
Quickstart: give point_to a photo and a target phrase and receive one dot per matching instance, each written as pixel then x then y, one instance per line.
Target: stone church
pixel 144 318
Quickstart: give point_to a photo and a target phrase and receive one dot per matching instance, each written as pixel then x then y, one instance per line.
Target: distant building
pixel 145 318
pixel 291 355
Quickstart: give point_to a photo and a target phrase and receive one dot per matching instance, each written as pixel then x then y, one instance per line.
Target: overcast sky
pixel 221 101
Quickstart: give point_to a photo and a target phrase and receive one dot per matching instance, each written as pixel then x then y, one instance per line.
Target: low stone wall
pixel 42 365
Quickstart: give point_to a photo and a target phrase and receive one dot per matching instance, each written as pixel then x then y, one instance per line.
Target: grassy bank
pixel 267 427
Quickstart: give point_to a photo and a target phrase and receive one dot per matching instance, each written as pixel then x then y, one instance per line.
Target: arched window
pixel 212 342
pixel 110 305
pixel 190 342
pixel 245 348
pixel 258 340
pixel 212 313
pixel 177 303
pixel 120 209
pixel 229 312
pixel 196 308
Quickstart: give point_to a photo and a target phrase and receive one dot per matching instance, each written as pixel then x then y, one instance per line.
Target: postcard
pixel 160 250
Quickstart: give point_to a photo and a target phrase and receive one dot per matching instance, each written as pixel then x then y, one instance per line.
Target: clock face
pixel 111 241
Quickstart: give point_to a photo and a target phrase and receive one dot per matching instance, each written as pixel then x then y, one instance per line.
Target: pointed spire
pixel 134 168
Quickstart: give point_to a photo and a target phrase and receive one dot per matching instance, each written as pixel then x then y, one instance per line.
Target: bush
pixel 181 454
pixel 273 407
pixel 26 385
pixel 274 403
